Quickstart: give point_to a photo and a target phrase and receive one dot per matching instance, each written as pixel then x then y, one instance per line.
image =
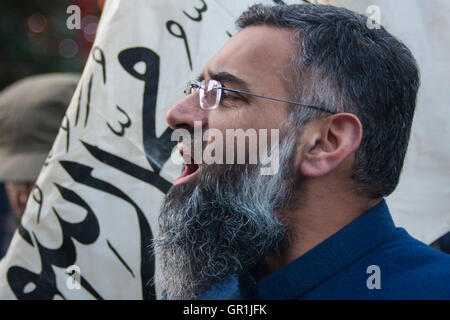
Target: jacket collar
pixel 329 257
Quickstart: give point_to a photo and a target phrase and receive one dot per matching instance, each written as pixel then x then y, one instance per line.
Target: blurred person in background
pixel 31 111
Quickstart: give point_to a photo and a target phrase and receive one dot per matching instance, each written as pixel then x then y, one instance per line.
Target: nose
pixel 185 112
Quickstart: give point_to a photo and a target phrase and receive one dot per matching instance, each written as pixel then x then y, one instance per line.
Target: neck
pixel 312 222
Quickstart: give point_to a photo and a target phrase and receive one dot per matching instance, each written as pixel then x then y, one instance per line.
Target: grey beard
pixel 222 223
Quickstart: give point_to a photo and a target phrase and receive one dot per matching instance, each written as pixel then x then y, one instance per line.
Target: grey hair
pixel 343 65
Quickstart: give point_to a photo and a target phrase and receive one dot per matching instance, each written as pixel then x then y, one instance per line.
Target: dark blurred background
pixel 34 37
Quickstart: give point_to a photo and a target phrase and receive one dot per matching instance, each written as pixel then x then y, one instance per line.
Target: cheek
pixel 223 120
pixel 244 139
pixel 226 118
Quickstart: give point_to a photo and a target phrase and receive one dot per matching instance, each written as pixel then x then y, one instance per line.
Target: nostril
pixel 185 126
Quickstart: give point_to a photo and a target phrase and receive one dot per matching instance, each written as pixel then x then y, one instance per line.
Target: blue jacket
pixel 367 259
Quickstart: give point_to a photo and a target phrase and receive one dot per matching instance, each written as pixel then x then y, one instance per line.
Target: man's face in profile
pixel 220 219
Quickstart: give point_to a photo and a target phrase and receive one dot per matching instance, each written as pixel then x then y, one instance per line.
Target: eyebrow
pixel 226 77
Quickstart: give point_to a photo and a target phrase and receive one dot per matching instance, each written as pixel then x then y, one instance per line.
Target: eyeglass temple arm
pixel 280 100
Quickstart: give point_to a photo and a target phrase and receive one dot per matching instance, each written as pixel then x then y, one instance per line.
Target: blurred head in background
pixel 31 111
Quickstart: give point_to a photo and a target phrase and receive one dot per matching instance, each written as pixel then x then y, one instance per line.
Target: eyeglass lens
pixel 210 96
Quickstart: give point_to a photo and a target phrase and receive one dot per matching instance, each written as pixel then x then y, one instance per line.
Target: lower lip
pixel 186 177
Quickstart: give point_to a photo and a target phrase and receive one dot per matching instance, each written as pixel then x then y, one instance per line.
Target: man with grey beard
pixel 343 98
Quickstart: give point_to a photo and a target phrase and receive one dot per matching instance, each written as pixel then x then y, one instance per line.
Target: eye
pixel 227 99
pixel 227 96
pixel 231 99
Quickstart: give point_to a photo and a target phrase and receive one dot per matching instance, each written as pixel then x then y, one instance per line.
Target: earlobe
pixel 328 143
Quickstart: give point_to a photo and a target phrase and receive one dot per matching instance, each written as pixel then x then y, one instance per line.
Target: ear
pixel 328 142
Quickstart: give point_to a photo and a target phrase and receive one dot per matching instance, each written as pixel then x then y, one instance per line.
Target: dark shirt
pixel 367 259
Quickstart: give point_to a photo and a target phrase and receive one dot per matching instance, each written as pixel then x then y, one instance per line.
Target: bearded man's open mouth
pixel 192 166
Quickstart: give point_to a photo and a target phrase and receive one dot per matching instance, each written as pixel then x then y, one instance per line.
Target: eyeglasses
pixel 211 93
